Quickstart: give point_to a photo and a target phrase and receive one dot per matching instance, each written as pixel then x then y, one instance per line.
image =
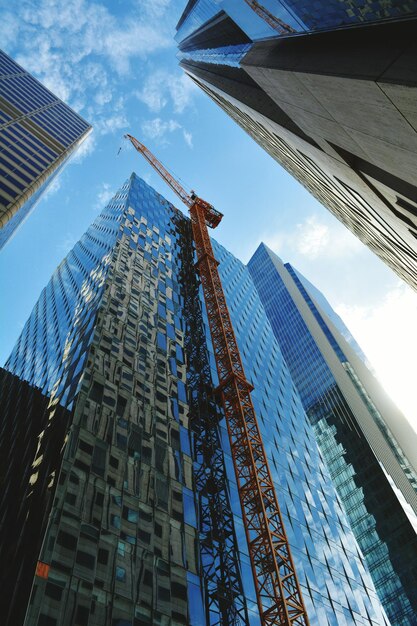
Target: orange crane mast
pixel 277 588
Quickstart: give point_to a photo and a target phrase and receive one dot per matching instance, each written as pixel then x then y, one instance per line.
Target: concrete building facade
pixel 329 90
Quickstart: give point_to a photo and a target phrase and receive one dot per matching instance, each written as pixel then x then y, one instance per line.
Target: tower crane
pixel 277 588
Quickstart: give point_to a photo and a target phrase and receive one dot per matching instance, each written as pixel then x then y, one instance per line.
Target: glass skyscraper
pixel 369 447
pixel 38 133
pixel 328 89
pixel 128 508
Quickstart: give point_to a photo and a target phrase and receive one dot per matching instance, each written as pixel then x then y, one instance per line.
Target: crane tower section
pixel 277 588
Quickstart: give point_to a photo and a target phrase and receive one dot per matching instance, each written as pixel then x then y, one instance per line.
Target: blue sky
pixel 115 64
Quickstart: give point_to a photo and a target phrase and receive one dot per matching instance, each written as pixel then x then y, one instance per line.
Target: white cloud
pixel 156 8
pixel 104 196
pixel 66 244
pixel 88 54
pixel 162 87
pixel 388 335
pixel 274 240
pixel 9 29
pixel 188 138
pixel 147 177
pixel 121 45
pixel 103 97
pixel 344 269
pixel 52 69
pixel 182 90
pixel 111 124
pixel 153 95
pixel 73 45
pixel 85 149
pixel 90 29
pixel 158 128
pixel 52 188
pixel 313 239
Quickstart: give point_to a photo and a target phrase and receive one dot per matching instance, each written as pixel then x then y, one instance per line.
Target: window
pixel 161 341
pixel 115 521
pixel 130 515
pixel 96 393
pixel 103 556
pixel 46 620
pixel 66 540
pixel 114 462
pixel 179 591
pixel 85 447
pixel 121 574
pixel 53 591
pixel 85 559
pixel 81 617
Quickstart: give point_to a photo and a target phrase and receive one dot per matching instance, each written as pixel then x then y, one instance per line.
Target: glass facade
pixel 311 295
pixel 225 55
pixel 280 18
pixel 141 520
pixel 37 134
pixel 362 467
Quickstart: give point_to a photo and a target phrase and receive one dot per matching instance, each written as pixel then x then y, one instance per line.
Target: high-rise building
pixel 328 89
pixel 129 512
pixel 369 447
pixel 38 133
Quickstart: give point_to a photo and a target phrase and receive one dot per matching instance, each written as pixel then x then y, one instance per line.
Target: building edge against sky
pixel 329 90
pixel 106 347
pixel 38 133
pixel 375 472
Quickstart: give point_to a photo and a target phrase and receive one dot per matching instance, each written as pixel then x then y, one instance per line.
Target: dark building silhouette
pixel 29 430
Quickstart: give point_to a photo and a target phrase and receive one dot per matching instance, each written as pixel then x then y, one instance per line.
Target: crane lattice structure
pixel 224 596
pixel 277 588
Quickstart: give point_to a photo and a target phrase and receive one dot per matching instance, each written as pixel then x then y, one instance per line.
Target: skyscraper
pixel 129 494
pixel 38 133
pixel 329 90
pixel 369 447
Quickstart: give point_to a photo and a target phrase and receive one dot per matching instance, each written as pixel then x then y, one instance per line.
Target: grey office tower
pixel 329 89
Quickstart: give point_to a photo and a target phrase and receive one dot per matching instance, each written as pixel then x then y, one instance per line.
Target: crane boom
pixel 277 588
pixel 157 165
